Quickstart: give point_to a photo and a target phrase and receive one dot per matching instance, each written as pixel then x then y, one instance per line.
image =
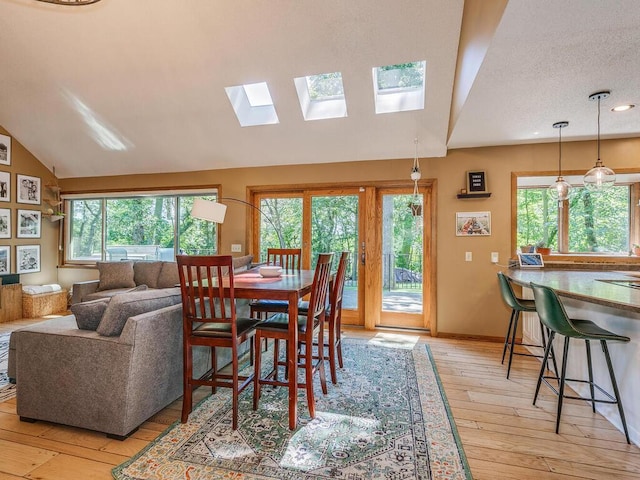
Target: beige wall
pixel 468 298
pixel 24 163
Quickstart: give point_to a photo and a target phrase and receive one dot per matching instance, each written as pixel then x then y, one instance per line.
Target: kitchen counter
pixel 595 286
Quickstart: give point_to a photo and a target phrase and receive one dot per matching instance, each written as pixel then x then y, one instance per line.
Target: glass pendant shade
pixel 560 189
pixel 599 176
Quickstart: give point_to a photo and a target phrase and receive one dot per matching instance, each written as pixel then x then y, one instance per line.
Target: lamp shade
pixel 207 210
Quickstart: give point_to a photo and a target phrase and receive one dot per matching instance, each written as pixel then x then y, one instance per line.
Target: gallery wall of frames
pixel 21 222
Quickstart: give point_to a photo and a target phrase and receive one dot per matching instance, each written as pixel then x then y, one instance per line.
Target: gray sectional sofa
pixel 112 364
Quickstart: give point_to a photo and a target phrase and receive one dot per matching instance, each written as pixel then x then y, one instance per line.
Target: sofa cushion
pixel 147 273
pixel 168 277
pixel 89 314
pixel 126 305
pixel 115 275
pixel 241 264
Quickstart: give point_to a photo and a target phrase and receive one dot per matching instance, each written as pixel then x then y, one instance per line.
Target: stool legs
pixel 592 386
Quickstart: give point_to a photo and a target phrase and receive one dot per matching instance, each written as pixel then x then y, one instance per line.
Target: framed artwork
pixel 5 223
pixel 27 258
pixel 5 187
pixel 5 259
pixel 29 223
pixel 5 150
pixel 476 181
pixel 28 189
pixel 473 224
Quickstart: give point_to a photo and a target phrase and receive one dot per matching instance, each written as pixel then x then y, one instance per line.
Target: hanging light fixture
pixel 70 2
pixel 560 189
pixel 416 203
pixel 599 176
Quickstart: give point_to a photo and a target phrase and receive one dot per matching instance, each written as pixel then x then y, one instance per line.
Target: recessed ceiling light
pixel 623 108
pixel 536 133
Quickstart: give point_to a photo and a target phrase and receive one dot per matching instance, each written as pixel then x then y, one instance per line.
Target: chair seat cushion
pixel 224 329
pixel 270 305
pixel 588 330
pixel 280 322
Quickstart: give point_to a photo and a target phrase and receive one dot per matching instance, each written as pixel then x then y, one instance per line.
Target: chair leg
pixel 614 384
pixel 256 370
pixel 508 335
pixel 214 366
pixel 308 371
pixel 513 340
pixel 186 385
pixel 276 354
pixel 332 352
pixel 339 339
pixel 544 366
pixel 587 345
pixel 323 378
pixel 565 354
pixel 234 410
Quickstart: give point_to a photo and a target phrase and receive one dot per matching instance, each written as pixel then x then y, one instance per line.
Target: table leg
pixel 292 355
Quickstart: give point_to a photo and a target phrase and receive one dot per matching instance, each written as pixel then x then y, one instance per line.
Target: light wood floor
pixel 504 435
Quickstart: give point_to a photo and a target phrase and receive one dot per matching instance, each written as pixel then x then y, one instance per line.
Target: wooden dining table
pixel 290 286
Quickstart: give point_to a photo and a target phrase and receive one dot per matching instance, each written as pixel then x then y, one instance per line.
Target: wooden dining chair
pixel 310 331
pixel 333 317
pixel 289 259
pixel 209 320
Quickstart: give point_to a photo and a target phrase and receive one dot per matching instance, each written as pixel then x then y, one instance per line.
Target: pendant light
pixel 416 204
pixel 599 176
pixel 560 189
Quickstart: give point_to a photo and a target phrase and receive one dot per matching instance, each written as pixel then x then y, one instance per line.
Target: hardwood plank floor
pixel 503 434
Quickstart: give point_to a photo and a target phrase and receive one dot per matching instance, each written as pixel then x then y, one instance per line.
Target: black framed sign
pixel 476 181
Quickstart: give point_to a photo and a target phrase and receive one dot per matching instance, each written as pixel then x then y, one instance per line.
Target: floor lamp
pixel 215 212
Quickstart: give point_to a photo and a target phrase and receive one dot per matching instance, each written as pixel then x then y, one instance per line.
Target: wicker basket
pixel 42 304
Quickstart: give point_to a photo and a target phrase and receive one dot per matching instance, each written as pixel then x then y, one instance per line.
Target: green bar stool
pixel 553 315
pixel 518 305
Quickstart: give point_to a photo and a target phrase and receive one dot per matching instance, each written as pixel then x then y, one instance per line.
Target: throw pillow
pixel 147 273
pixel 241 264
pixel 115 275
pixel 89 314
pixel 169 276
pixel 130 304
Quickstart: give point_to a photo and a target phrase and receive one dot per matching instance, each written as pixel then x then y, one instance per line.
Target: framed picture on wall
pixel 476 181
pixel 27 258
pixel 5 223
pixel 5 187
pixel 473 224
pixel 5 259
pixel 5 150
pixel 29 223
pixel 28 189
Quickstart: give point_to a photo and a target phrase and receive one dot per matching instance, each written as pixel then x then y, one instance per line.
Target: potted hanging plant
pixel 542 249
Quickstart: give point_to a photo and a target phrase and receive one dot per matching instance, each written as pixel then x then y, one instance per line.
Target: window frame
pixel 563 215
pixel 103 197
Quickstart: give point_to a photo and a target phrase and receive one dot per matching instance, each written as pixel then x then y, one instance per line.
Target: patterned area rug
pixel 387 418
pixel 7 390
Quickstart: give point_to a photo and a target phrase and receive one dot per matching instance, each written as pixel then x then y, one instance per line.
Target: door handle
pixel 362 256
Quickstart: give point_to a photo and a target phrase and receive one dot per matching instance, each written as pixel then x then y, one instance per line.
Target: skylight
pixel 399 88
pixel 321 96
pixel 253 104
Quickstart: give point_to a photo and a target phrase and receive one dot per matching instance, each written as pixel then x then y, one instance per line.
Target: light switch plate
pixel 494 257
pixel 236 247
pixel 468 256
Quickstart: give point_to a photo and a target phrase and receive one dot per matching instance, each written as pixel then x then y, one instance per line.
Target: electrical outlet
pixel 494 257
pixel 468 256
pixel 236 247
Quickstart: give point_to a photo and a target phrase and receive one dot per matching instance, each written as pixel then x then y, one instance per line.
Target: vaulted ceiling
pixel 125 87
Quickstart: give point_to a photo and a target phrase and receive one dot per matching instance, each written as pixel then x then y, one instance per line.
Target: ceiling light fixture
pixel 599 176
pixel 623 108
pixel 70 2
pixel 560 189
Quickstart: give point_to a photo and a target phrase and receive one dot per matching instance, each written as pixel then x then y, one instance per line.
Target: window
pixel 321 96
pixel 136 226
pixel 399 88
pixel 253 104
pixel 594 222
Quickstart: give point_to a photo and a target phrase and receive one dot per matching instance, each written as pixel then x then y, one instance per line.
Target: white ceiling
pixel 153 72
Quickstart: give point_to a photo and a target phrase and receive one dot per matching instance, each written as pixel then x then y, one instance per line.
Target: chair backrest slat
pixel 289 259
pixel 320 287
pixel 335 297
pixel 202 289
